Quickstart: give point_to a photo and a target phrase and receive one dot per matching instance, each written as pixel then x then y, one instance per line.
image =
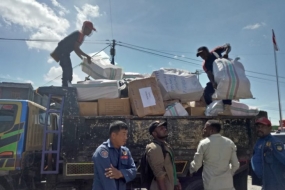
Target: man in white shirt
pixel 218 156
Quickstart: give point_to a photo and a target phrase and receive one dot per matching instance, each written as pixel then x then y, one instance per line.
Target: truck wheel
pixel 194 185
pixel 240 180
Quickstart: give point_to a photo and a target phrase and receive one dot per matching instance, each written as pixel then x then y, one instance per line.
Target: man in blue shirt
pixel 209 57
pixel 268 160
pixel 113 162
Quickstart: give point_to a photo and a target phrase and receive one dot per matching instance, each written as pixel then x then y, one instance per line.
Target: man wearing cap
pixel 160 157
pixel 70 43
pixel 209 58
pixel 113 162
pixel 268 160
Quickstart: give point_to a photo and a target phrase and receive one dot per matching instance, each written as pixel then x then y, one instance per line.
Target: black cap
pixel 201 49
pixel 154 125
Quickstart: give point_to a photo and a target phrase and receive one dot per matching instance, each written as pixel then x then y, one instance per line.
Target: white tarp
pixel 231 79
pixel 237 109
pixel 101 67
pixel 94 90
pixel 178 84
pixel 175 109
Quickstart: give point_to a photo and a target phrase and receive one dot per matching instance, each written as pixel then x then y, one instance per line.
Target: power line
pixel 75 66
pixel 159 51
pixel 157 54
pixel 42 40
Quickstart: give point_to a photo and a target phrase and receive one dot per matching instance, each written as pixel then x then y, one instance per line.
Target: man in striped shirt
pixel 209 57
pixel 71 43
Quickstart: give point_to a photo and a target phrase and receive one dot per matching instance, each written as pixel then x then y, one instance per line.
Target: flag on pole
pixel 274 41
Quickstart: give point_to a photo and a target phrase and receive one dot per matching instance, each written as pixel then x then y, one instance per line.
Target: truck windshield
pixel 7 116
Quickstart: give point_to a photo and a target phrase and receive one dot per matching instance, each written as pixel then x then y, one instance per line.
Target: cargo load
pixel 101 67
pixel 145 97
pixel 237 109
pixel 175 109
pixel 178 84
pixel 231 80
pixel 97 89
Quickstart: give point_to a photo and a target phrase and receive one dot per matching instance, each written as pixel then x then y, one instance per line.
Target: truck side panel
pixel 82 136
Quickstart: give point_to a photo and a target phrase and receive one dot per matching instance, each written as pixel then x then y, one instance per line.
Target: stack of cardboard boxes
pixel 144 99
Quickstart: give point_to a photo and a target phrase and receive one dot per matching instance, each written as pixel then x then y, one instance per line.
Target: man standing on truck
pixel 70 43
pixel 113 162
pixel 209 58
pixel 218 156
pixel 268 160
pixel 160 158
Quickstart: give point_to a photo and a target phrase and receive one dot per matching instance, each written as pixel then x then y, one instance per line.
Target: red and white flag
pixel 274 41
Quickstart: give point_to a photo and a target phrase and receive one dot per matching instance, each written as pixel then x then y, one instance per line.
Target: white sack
pixel 101 68
pixel 237 109
pixel 175 109
pixel 231 79
pixel 94 90
pixel 132 75
pixel 178 84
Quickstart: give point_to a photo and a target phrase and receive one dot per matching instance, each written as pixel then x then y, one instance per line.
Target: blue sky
pixel 175 27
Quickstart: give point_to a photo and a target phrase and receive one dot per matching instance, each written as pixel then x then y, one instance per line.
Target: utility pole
pixel 113 52
pixel 198 73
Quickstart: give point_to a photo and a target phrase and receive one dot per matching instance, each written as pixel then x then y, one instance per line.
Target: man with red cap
pixel 71 43
pixel 268 160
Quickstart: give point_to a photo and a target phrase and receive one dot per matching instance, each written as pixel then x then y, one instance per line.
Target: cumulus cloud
pixel 38 18
pixel 54 75
pixel 62 10
pixel 254 26
pixel 86 12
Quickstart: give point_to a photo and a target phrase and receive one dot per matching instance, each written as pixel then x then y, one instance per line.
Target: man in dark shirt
pixel 69 44
pixel 209 58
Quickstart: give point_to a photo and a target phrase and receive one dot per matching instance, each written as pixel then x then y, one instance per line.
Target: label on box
pixel 147 97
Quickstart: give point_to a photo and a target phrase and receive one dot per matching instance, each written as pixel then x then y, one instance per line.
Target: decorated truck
pixel 65 161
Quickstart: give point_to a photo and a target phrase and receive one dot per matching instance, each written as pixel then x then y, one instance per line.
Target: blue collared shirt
pixel 121 158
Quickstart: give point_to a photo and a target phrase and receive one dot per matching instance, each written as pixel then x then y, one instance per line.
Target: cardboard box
pixel 197 104
pixel 145 97
pixel 88 108
pixel 114 106
pixel 196 111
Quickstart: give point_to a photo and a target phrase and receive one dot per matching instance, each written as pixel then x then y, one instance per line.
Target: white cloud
pixel 86 13
pixel 169 63
pixel 254 26
pixel 50 60
pixel 63 10
pixel 175 56
pixel 37 18
pixel 54 75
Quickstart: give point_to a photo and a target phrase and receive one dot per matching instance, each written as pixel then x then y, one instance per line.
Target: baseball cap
pixel 264 121
pixel 201 49
pixel 156 124
pixel 89 25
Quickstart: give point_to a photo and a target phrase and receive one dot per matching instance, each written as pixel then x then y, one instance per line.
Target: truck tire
pixel 194 185
pixel 240 180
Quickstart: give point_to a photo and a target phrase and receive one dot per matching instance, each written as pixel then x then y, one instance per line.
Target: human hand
pixel 113 173
pixel 89 59
pixel 215 85
pixel 226 56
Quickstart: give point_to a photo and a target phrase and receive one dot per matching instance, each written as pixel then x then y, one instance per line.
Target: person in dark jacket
pixel 114 166
pixel 71 43
pixel 209 57
pixel 268 160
